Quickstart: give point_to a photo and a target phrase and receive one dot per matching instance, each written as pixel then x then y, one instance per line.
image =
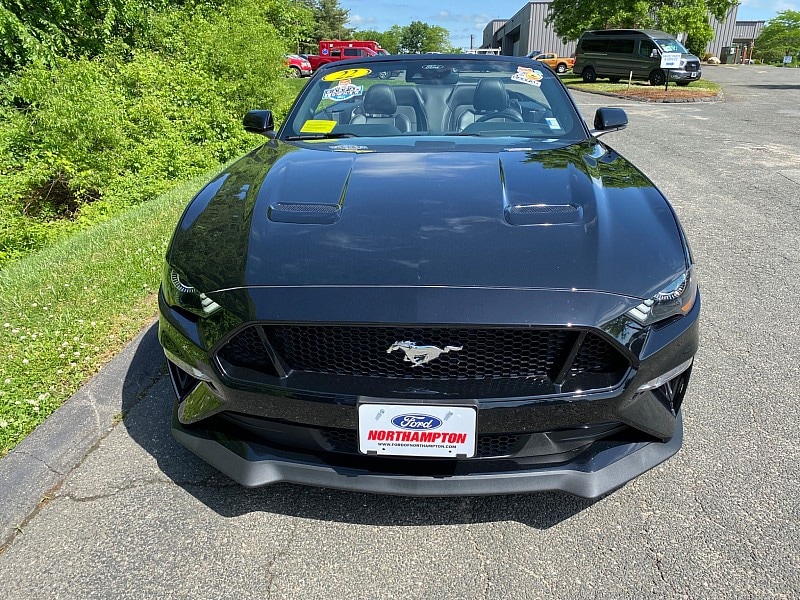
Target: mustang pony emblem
pixel 419 355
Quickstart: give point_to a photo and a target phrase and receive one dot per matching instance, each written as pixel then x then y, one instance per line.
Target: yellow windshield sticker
pixel 317 126
pixel 346 74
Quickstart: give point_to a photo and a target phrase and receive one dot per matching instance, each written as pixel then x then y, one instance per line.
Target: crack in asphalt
pixel 467 512
pixel 281 553
pixel 104 432
pixel 656 557
pixel 39 460
pixel 135 484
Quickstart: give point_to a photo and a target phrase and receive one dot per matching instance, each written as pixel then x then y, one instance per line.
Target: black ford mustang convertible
pixel 433 279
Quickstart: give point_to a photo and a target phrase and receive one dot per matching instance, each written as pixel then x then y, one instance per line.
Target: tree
pixel 419 37
pixel 781 34
pixel 293 21
pixel 389 39
pixel 416 38
pixel 329 20
pixel 570 18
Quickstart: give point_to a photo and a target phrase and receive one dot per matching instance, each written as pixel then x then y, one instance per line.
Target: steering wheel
pixel 501 114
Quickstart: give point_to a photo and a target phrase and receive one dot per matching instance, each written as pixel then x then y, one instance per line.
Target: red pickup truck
pixel 333 50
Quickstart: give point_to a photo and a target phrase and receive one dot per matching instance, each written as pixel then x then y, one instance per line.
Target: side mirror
pixel 260 121
pixel 654 53
pixel 609 119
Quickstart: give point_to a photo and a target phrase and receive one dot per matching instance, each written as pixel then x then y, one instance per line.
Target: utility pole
pixel 471 36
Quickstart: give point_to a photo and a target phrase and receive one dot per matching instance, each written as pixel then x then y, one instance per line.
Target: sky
pixel 463 18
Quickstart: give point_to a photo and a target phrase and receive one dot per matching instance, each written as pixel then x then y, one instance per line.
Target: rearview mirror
pixel 260 121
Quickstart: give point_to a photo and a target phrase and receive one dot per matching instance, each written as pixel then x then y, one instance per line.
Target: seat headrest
pixel 379 101
pixel 490 96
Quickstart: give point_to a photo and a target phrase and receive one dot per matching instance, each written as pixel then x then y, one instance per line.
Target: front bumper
pixel 681 75
pixel 283 440
pixel 597 471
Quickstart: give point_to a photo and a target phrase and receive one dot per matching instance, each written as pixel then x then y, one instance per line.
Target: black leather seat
pixel 380 107
pixel 490 102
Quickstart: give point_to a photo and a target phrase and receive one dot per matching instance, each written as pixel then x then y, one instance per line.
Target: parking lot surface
pixel 142 517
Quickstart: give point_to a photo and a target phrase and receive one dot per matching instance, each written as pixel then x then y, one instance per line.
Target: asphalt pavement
pixel 91 507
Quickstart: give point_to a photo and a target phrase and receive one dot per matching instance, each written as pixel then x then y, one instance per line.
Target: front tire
pixel 658 77
pixel 294 72
pixel 614 79
pixel 561 68
pixel 589 75
pixel 384 75
pixel 683 83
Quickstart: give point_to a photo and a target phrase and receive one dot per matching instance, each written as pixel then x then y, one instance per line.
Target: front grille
pixel 692 65
pixel 362 351
pixel 491 361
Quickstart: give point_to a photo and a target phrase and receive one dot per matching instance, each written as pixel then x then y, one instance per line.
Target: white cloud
pixel 472 19
pixel 357 20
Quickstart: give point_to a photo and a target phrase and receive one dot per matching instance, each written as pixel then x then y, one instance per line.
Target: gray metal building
pixel 526 31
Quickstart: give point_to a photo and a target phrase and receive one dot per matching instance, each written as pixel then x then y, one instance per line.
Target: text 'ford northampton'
pixel 433 280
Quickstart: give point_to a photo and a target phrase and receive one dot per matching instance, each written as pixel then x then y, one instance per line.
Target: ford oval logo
pixel 416 422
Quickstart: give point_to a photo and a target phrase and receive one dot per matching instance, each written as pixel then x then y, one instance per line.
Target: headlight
pixel 187 296
pixel 676 299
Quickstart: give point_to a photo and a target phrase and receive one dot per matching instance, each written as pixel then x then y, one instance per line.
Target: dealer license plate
pixel 692 74
pixel 415 430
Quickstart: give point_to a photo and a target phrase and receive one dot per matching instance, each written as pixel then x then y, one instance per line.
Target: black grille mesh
pixel 246 350
pixel 595 356
pixel 362 351
pixel 491 357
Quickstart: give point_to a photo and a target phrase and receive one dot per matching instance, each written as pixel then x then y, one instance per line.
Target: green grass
pixel 603 85
pixel 66 310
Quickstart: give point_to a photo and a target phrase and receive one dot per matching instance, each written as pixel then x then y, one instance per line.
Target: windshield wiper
pixel 319 136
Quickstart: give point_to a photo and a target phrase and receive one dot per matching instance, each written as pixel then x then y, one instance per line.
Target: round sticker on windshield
pixel 528 76
pixel 346 74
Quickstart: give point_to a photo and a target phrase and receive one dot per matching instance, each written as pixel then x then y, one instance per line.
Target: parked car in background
pixel 559 64
pixel 298 66
pixel 443 286
pixel 618 53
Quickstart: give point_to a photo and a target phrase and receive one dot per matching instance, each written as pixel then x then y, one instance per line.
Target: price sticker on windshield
pixel 671 60
pixel 317 126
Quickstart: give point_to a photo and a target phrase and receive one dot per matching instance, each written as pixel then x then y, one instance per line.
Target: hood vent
pixel 299 212
pixel 543 214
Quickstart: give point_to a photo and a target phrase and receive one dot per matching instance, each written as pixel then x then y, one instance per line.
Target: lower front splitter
pixel 599 470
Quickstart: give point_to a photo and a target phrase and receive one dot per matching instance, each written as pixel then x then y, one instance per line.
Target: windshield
pixel 436 95
pixel 671 45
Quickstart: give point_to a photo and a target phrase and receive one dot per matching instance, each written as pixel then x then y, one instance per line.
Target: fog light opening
pixel 672 392
pixel 666 377
pixel 182 382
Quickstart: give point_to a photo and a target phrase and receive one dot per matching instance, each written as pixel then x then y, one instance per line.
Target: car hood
pixel 574 218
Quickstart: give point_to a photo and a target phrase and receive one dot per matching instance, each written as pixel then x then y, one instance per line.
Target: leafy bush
pixel 84 138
